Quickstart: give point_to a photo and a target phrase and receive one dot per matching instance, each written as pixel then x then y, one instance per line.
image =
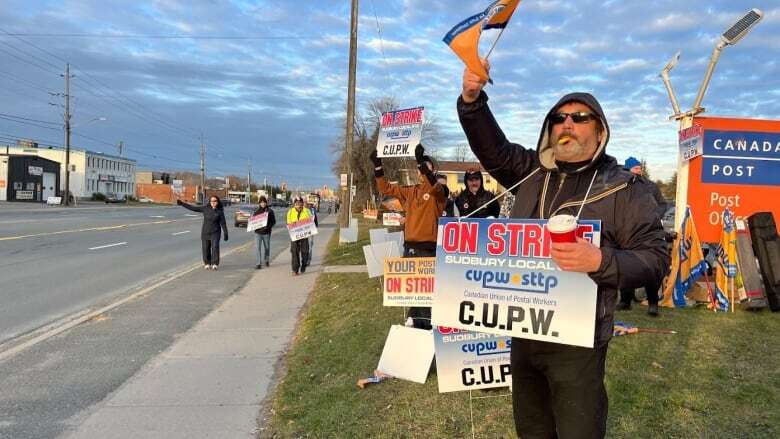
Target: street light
pixel 729 38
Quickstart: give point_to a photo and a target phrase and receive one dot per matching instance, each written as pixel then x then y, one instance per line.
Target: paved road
pixel 47 389
pixel 56 262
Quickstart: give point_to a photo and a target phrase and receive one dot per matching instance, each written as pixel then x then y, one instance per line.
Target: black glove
pixel 377 161
pixel 226 237
pixel 419 153
pixel 378 171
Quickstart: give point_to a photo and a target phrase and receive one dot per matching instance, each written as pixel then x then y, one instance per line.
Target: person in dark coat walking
pixel 558 390
pixel 213 221
pixel 474 199
pixel 634 166
pixel 263 234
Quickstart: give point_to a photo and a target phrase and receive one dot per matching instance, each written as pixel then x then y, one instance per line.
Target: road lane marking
pixel 90 229
pixel 156 216
pixel 49 332
pixel 190 214
pixel 180 233
pixel 109 245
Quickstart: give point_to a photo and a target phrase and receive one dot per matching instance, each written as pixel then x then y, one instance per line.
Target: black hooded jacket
pixel 213 219
pixel 632 238
pixel 467 203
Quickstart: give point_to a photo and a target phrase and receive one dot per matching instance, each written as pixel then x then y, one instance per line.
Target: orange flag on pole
pixel 463 39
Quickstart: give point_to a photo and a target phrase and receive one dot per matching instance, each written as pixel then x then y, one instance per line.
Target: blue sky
pixel 278 98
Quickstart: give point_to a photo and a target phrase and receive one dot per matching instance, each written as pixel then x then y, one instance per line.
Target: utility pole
pixel 248 180
pixel 120 146
pixel 202 170
pixel 67 135
pixel 346 213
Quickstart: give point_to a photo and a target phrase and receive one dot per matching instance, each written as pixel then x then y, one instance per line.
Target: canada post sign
pixel 496 276
pixel 739 170
pixel 741 157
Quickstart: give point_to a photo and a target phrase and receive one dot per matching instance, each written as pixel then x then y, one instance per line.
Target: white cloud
pixel 627 65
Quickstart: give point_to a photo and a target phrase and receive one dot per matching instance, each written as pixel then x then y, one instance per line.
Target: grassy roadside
pixel 718 377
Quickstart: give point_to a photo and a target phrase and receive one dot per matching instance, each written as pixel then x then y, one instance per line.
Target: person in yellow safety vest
pixel 299 248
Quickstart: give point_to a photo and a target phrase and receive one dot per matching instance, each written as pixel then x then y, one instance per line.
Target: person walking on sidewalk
pixel 423 204
pixel 300 247
pixel 313 211
pixel 263 234
pixel 213 221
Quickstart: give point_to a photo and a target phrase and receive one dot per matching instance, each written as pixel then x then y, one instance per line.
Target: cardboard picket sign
pixel 257 221
pixel 376 254
pixel 391 219
pixel 407 354
pixel 399 132
pixel 302 229
pixel 467 360
pixel 408 281
pixel 377 236
pixel 497 276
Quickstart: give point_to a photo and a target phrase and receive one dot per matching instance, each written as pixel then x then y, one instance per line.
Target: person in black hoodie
pixel 213 220
pixel 558 390
pixel 263 234
pixel 474 199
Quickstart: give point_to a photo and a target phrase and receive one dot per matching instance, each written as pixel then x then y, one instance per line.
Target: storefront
pixel 28 178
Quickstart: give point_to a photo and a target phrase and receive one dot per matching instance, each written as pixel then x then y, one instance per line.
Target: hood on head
pixel 545 151
pixel 473 173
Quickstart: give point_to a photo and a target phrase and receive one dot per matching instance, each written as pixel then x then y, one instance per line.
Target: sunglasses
pixel 577 117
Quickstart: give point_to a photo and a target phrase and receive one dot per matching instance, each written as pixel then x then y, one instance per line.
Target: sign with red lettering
pixel 497 276
pixel 691 142
pixel 399 132
pixel 739 170
pixel 409 281
pixel 467 360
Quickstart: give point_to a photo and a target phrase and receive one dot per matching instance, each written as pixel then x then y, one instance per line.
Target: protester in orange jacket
pixel 423 204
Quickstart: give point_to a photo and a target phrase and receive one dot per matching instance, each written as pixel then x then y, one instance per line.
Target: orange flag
pixel 463 39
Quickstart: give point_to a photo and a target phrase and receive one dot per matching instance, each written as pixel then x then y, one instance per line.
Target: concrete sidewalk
pixel 212 382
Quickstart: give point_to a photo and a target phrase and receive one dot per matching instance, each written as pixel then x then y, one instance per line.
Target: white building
pixel 90 172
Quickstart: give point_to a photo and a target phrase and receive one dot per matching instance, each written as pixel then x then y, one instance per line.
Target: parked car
pixel 145 200
pixel 242 214
pixel 114 198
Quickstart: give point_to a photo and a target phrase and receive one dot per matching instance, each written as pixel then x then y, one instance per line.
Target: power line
pixel 45 69
pixel 28 119
pixel 24 82
pixel 165 37
pixel 121 100
pixel 29 123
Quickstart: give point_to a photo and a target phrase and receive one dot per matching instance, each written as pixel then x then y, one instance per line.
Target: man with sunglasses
pixel 558 390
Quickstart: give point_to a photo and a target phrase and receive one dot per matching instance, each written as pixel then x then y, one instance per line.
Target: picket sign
pixel 302 229
pixel 257 222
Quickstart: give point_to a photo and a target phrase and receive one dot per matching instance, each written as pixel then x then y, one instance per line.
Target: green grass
pixel 351 253
pixel 719 377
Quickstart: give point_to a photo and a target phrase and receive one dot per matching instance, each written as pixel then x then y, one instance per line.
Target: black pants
pixel 558 390
pixel 210 247
pixel 300 254
pixel 421 316
pixel 627 294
